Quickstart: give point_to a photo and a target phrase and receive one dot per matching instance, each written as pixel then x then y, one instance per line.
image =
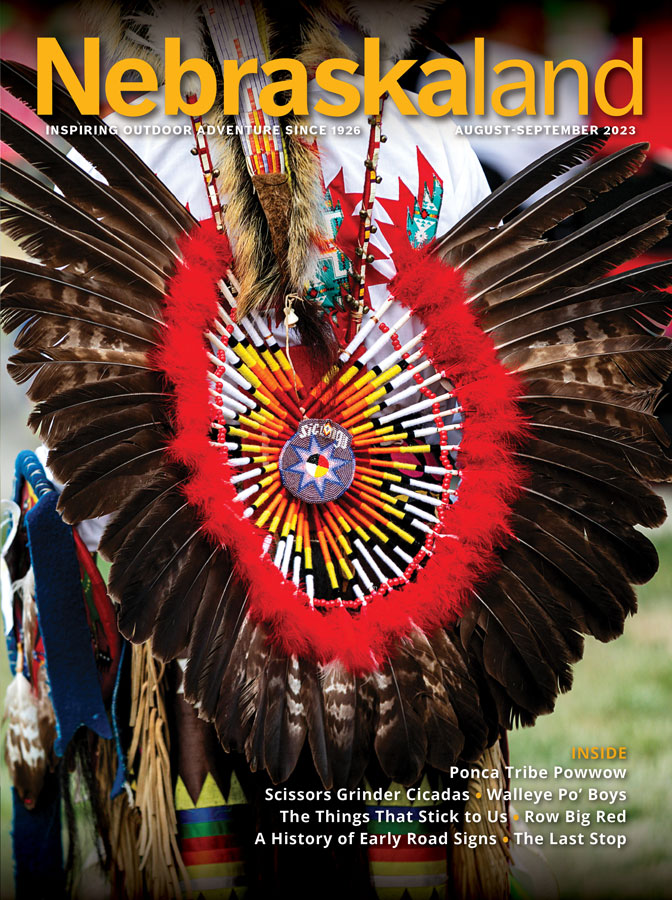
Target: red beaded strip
pixel 366 227
pixel 210 174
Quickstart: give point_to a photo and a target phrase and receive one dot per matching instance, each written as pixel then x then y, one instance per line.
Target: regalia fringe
pixel 482 873
pixel 123 826
pixel 149 759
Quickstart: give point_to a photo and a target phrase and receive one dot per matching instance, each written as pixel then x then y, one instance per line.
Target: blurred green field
pixel 622 696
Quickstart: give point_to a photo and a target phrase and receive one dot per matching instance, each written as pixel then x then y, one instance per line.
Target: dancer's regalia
pixel 370 549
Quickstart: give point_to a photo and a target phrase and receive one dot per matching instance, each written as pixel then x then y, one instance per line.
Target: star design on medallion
pixel 317 466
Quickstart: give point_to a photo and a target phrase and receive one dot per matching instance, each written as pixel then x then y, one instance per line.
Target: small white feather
pixel 170 19
pixel 393 21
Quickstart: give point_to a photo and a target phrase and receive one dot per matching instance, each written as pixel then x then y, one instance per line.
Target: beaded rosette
pixel 350 480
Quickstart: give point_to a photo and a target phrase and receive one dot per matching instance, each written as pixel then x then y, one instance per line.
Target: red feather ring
pixel 445 548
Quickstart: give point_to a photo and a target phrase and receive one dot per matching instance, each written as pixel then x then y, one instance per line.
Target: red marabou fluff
pixel 490 479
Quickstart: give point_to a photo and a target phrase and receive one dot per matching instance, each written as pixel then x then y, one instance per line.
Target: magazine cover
pixel 336 450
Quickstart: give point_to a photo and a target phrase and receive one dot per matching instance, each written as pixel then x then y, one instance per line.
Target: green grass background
pixel 622 696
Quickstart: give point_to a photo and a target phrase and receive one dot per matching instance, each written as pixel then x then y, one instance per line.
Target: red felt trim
pixel 215 842
pixel 106 612
pixel 491 478
pixel 211 857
